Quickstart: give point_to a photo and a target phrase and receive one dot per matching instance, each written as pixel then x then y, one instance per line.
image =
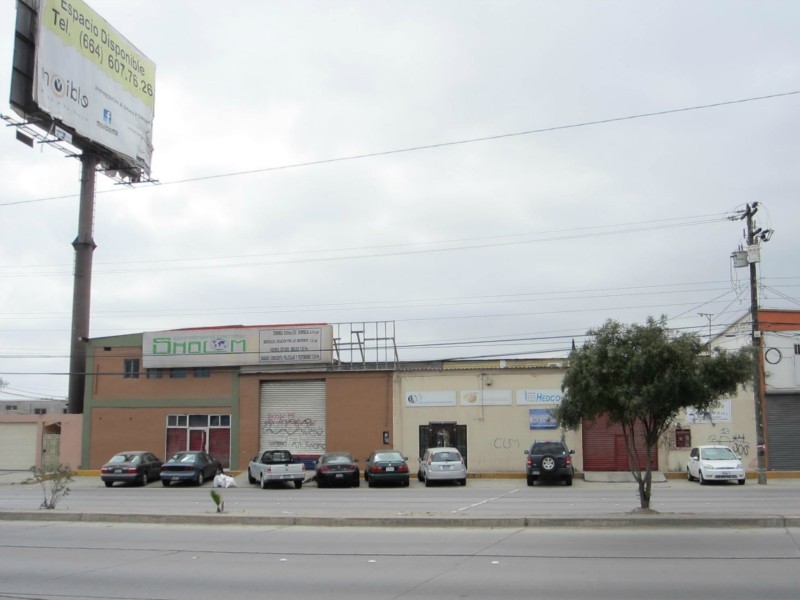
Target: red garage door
pixel 604 447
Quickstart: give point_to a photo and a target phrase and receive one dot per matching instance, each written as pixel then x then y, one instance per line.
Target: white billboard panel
pixel 92 79
pixel 238 346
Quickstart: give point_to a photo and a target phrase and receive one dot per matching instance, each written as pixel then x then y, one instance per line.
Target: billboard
pixel 85 78
pixel 238 346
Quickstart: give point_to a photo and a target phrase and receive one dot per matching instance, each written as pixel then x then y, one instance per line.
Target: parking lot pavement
pixel 484 502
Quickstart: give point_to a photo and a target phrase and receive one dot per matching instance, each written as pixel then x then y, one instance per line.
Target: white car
pixel 714 463
pixel 442 464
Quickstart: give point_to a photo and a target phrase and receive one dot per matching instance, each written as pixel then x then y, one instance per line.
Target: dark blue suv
pixel 549 460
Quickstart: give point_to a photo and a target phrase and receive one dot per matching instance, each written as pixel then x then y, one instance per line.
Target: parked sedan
pixel 714 463
pixel 194 467
pixel 337 468
pixel 137 467
pixel 442 464
pixel 386 466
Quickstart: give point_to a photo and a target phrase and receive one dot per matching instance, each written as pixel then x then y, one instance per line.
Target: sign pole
pixel 82 285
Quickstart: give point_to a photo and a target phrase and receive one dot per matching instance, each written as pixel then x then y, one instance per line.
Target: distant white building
pixel 32 407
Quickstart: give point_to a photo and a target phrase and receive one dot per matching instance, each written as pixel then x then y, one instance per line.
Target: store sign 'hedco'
pixel 238 346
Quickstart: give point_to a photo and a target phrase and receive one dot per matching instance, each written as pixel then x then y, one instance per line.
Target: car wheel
pixel 530 479
pixel 427 482
pixel 144 480
pixel 741 481
pixel 370 483
pixel 463 481
pixel 108 483
pixel 298 485
pixel 250 478
pixel 689 475
pixel 200 478
pixel 263 482
pixel 165 483
pixel 405 483
pixel 320 483
pixel 357 482
pixel 548 463
pixel 568 480
pixel 701 478
pixel 419 476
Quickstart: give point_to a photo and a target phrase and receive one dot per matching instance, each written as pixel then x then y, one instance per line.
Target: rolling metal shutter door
pixel 783 432
pixel 604 447
pixel 292 416
pixel 17 446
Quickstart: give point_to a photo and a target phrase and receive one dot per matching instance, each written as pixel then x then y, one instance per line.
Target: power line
pixel 435 146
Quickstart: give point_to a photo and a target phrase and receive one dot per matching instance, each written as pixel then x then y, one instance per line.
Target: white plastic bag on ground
pixel 224 481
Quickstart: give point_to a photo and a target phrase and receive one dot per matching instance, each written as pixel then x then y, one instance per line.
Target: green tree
pixel 641 377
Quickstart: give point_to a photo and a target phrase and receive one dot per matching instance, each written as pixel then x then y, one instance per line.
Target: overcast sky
pixel 586 215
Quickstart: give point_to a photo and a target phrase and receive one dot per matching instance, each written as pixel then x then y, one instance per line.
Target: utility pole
pixel 753 236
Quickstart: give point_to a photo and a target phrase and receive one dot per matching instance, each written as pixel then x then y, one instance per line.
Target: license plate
pixel 339 475
pixel 447 467
pixel 389 469
pixel 176 479
pixel 117 470
pixel 287 476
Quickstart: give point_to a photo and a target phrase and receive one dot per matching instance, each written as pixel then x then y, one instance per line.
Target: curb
pixel 648 521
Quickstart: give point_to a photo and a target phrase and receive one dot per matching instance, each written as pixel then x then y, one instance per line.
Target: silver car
pixel 714 463
pixel 442 464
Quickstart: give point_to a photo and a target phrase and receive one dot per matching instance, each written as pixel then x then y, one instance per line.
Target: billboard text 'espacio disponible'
pixel 93 80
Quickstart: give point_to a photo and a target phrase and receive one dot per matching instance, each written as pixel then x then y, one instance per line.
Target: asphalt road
pixel 487 502
pixel 62 561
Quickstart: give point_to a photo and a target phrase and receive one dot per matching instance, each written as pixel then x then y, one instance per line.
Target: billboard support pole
pixel 82 285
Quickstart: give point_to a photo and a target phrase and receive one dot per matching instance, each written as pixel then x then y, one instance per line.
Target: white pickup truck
pixel 274 466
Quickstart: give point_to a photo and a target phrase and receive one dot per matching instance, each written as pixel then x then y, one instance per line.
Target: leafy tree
pixel 642 375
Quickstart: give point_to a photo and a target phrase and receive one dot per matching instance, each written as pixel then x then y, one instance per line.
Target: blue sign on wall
pixel 540 418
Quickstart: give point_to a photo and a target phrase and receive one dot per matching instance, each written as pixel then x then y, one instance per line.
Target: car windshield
pixel 446 457
pixel 388 456
pixel 548 448
pixel 183 458
pixel 337 459
pixel 120 458
pixel 717 454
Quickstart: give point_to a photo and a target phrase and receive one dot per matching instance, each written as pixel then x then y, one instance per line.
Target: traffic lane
pixel 90 560
pixel 480 498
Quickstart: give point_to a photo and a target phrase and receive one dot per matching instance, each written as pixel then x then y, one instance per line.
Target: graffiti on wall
pixel 502 443
pixel 290 431
pixel 737 441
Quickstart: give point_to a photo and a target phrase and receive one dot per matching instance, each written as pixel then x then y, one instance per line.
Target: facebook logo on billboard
pixel 106 116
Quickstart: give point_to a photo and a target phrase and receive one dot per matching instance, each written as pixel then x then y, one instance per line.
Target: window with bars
pixel 131 368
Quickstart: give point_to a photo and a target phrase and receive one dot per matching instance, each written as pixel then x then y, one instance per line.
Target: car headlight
pixel 708 466
pixel 739 466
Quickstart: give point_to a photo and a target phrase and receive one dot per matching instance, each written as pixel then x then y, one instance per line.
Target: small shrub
pixel 54 482
pixel 215 496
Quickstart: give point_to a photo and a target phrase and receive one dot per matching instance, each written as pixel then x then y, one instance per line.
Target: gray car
pixel 442 464
pixel 135 466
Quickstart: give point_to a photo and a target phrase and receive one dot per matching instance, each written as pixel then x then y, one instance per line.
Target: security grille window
pixel 178 373
pixel 131 368
pixel 797 349
pixel 11 407
pixel 40 411
pixel 155 373
pixel 202 372
pixel 683 438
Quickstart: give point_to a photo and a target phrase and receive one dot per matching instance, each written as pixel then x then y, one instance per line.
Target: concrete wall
pixel 497 434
